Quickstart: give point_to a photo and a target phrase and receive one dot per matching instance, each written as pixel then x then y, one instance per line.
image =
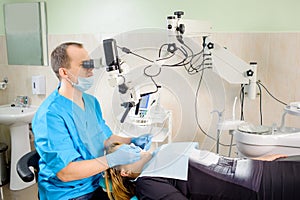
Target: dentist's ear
pixel 62 72
pixel 125 173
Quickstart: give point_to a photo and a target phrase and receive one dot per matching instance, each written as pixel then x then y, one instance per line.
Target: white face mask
pixel 83 83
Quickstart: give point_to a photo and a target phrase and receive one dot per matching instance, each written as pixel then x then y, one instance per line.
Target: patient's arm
pixel 270 157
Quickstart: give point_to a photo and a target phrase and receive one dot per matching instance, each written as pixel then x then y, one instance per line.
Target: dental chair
pixel 31 159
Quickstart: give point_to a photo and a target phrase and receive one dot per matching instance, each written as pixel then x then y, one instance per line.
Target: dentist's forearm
pixel 82 169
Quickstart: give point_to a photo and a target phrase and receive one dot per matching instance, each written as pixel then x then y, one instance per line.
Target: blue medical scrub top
pixel 64 133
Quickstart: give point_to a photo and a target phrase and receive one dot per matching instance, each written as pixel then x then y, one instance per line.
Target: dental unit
pixel 255 141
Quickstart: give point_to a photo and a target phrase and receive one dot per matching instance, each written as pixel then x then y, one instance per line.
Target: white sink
pixel 10 115
pixel 18 119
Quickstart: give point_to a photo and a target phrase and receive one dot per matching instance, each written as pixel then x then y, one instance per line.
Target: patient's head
pixel 119 177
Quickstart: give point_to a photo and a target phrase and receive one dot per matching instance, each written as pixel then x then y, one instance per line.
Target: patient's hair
pixel 117 186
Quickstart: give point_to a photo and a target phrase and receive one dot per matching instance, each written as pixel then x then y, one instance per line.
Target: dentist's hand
pixel 143 141
pixel 125 154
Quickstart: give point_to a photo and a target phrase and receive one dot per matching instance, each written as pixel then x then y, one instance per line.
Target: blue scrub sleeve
pixel 53 141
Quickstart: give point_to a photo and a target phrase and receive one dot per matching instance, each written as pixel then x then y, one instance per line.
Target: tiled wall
pixel 275 53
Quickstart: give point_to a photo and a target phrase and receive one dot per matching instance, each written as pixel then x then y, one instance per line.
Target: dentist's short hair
pixel 60 58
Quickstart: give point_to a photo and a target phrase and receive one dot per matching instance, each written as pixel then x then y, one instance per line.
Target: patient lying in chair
pixel 181 171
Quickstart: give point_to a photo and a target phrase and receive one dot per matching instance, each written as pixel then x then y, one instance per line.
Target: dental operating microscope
pixel 208 56
pixel 140 101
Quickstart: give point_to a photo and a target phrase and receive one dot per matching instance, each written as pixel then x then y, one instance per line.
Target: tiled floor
pixel 29 193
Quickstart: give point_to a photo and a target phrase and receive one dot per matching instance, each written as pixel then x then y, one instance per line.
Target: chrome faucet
pixel 22 101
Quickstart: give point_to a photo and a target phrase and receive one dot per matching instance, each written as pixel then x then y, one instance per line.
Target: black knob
pixel 210 45
pixel 181 28
pixel 172 48
pixel 178 13
pixel 249 72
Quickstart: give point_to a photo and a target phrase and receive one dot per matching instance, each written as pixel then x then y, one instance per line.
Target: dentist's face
pixel 77 55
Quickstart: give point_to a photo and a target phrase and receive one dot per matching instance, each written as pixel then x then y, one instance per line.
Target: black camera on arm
pixel 111 55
